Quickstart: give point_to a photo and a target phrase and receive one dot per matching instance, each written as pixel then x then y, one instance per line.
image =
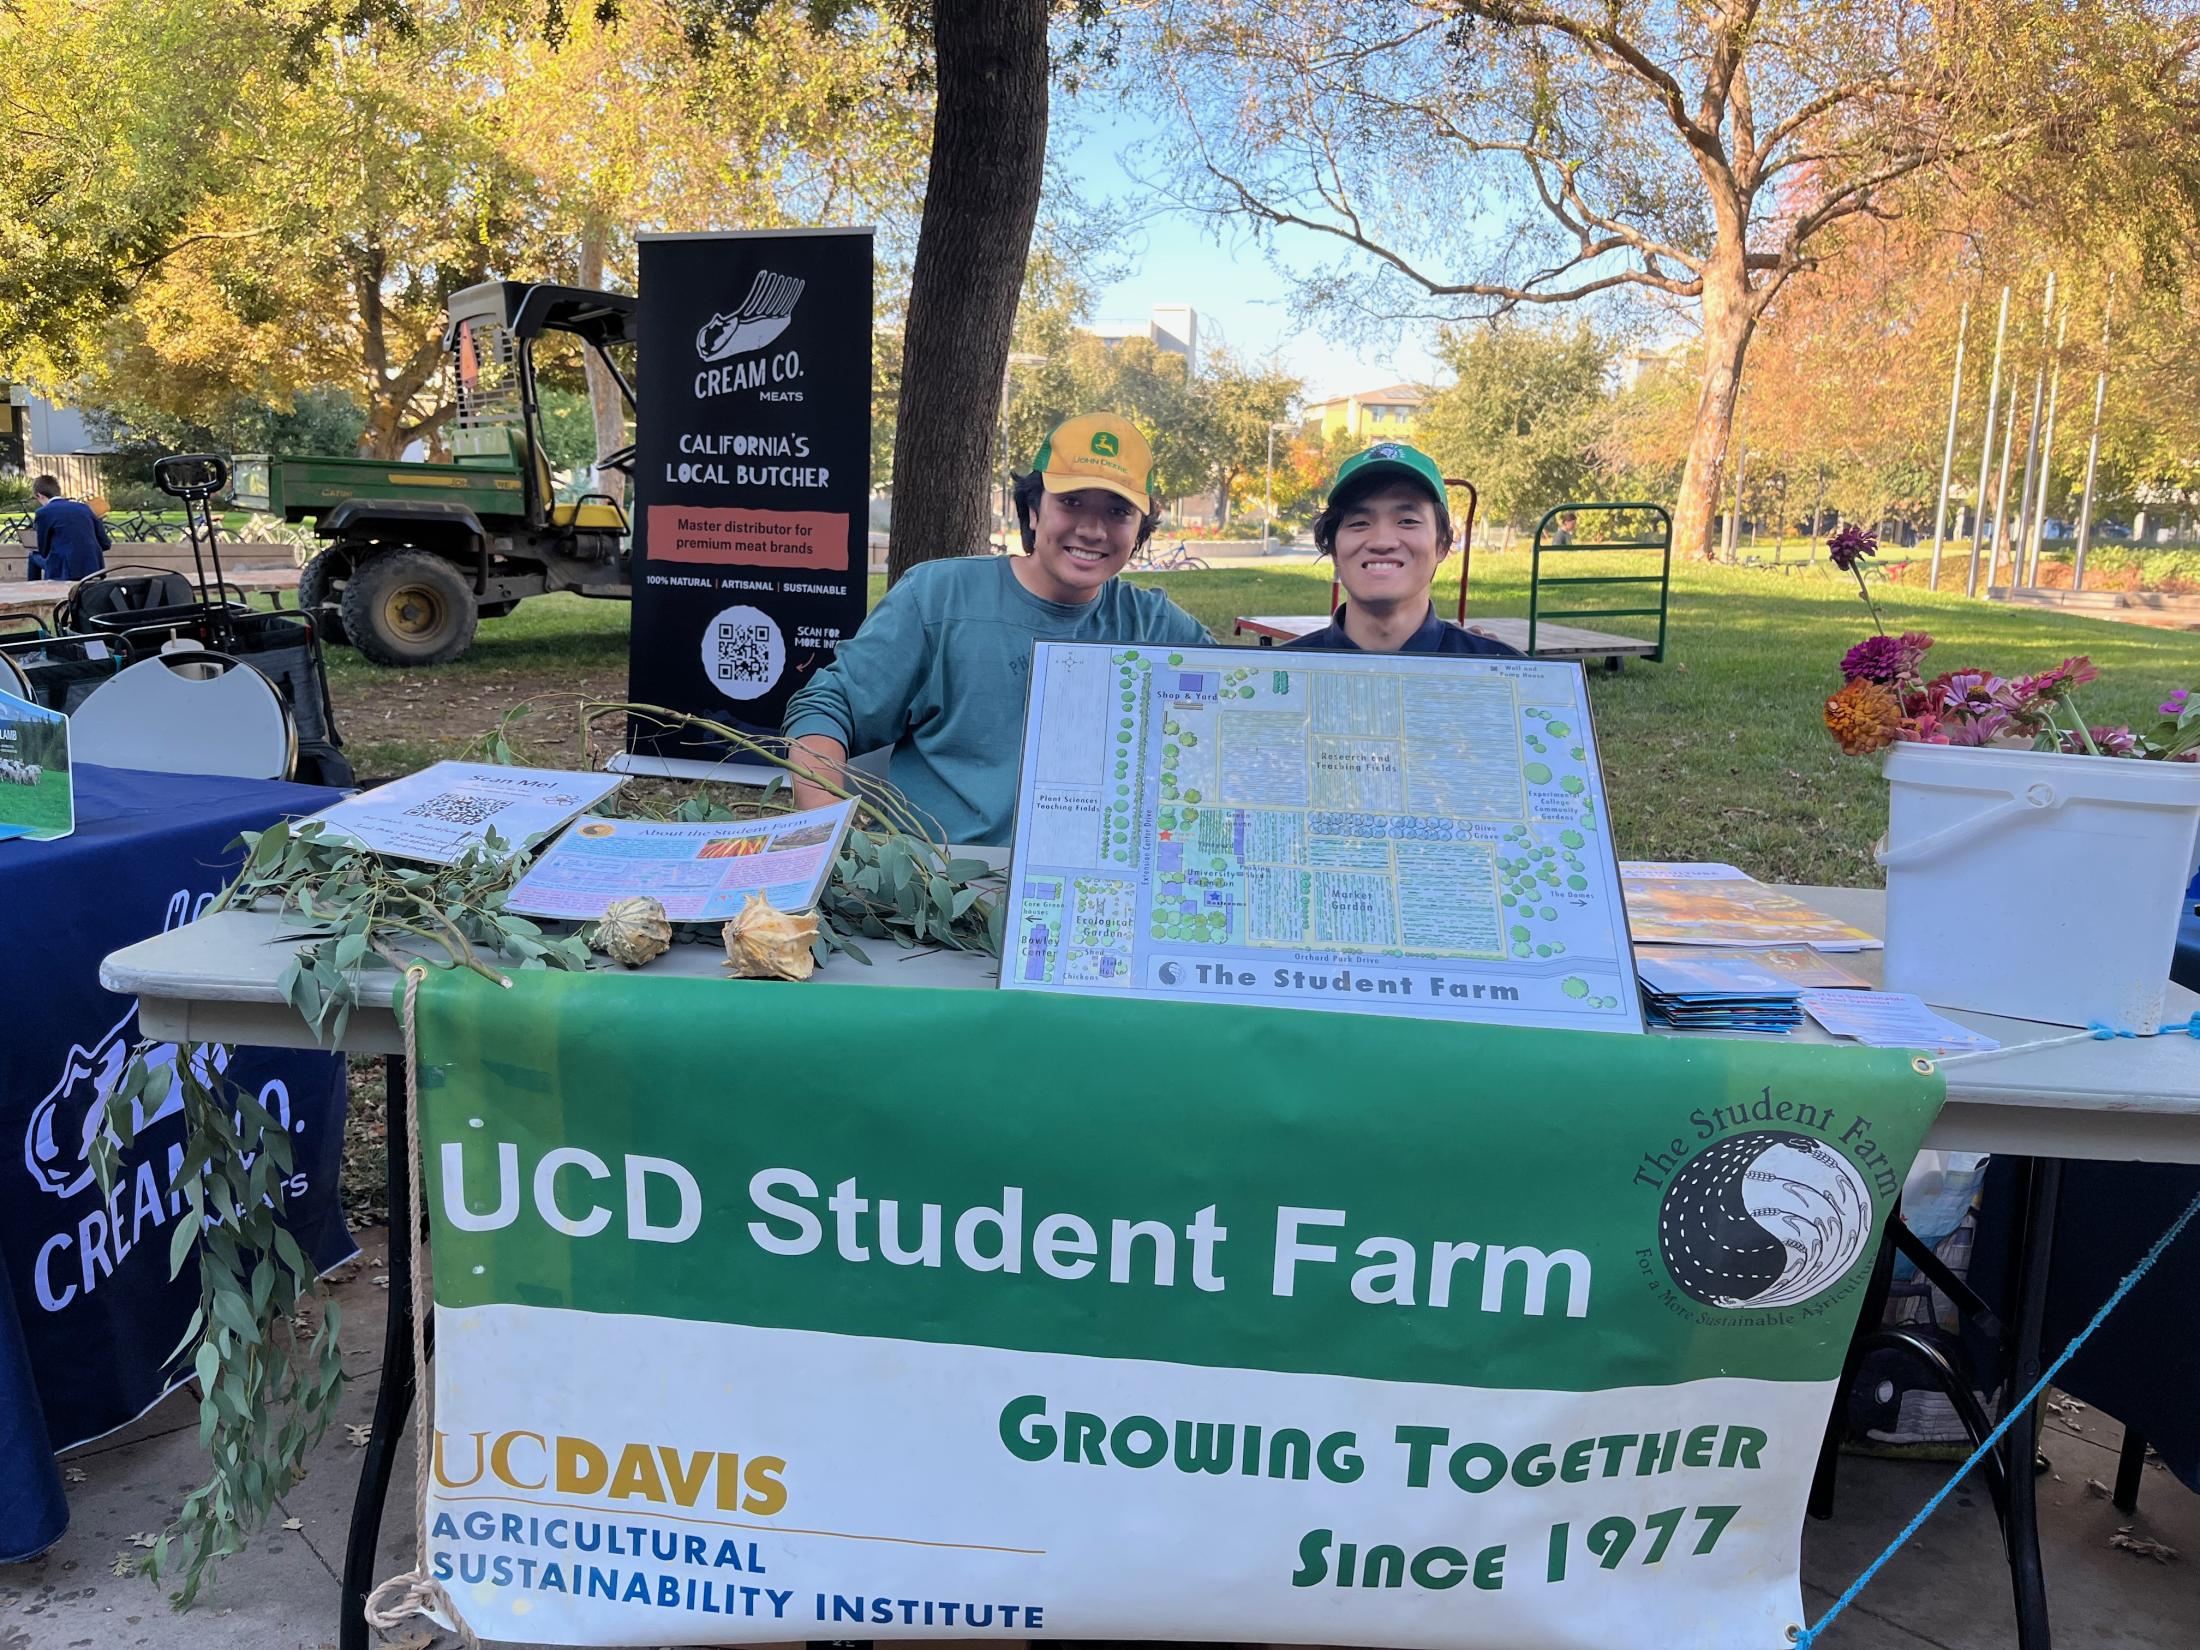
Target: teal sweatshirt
pixel 939 671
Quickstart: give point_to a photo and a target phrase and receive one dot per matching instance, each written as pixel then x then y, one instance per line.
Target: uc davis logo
pixel 1105 444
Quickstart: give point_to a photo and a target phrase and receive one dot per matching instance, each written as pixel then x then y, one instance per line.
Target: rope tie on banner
pixel 416 1592
pixel 1804 1637
pixel 2100 1031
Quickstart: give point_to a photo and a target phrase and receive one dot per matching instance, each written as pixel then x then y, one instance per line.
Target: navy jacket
pixel 72 542
pixel 1435 636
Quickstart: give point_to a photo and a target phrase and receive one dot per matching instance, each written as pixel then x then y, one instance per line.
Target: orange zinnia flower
pixel 1864 716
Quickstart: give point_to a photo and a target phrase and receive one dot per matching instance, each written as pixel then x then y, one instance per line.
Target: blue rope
pixel 1804 1637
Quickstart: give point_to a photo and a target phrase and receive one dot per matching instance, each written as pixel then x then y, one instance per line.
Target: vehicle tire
pixel 1195 564
pixel 318 592
pixel 409 607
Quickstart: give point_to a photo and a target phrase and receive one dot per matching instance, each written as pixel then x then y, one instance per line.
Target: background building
pixel 1391 410
pixel 1173 327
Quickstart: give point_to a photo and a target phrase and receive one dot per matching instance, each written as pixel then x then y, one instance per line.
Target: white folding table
pixel 2126 1100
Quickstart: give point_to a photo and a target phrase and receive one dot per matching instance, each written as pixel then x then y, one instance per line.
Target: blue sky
pixel 1178 258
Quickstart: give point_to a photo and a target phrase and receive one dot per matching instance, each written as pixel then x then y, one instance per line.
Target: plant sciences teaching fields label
pixel 771 1314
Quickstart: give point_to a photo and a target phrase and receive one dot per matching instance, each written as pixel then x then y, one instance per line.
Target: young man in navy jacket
pixel 72 542
pixel 1388 528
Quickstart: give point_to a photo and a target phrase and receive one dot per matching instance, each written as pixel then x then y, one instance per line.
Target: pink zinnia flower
pixel 1889 659
pixel 1850 545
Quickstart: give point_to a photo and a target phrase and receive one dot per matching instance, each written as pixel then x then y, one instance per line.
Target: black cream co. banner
pixel 752 472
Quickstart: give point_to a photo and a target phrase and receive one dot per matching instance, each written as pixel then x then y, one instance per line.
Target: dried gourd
pixel 767 944
pixel 633 931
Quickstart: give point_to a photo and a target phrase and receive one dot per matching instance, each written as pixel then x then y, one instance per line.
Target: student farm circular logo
pixel 1763 1219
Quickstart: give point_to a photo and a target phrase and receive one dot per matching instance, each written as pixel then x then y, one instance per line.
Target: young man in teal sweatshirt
pixel 939 670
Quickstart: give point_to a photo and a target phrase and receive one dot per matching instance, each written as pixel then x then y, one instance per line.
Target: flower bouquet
pixel 1886 699
pixel 2026 875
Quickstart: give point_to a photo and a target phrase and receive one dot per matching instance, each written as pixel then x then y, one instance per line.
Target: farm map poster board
pixel 1036 1315
pixel 752 473
pixel 1381 833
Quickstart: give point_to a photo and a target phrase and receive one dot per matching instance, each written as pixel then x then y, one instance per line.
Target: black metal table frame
pixel 2008 1470
pixel 2009 1467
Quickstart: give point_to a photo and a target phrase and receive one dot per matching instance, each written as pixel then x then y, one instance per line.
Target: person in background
pixel 939 670
pixel 72 541
pixel 1387 526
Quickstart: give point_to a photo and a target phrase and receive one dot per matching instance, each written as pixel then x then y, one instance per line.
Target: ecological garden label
pixel 771 1312
pixel 752 472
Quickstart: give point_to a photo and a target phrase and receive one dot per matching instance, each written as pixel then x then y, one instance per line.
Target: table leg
pixel 2130 1464
pixel 2020 1446
pixel 1869 1319
pixel 396 1394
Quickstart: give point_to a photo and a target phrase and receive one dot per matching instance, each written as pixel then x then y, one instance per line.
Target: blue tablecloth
pixel 88 1314
pixel 2185 970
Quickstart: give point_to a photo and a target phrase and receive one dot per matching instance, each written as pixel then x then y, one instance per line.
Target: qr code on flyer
pixel 456 808
pixel 744 653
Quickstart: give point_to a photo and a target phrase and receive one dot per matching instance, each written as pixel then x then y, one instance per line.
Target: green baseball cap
pixel 1389 460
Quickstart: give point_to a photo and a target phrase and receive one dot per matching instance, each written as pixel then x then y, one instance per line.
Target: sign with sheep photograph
pixel 35 797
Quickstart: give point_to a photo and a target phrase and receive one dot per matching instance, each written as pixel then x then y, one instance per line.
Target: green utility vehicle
pixel 419 554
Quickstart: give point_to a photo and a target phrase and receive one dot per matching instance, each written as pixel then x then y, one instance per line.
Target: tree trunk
pixel 989 134
pixel 1728 320
pixel 604 399
pixel 384 435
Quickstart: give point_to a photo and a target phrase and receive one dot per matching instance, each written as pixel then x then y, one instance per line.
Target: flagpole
pixel 2093 447
pixel 1986 446
pixel 1948 450
pixel 2047 458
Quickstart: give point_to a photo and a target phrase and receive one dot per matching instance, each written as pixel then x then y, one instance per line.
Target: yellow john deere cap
pixel 1098 450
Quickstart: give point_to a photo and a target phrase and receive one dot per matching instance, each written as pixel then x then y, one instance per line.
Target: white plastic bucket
pixel 2037 885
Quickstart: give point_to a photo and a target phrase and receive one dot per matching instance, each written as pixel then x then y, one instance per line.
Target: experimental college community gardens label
pixel 771 1312
pixel 752 472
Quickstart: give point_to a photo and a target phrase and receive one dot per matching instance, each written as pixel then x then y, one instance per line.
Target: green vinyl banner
pixel 771 1312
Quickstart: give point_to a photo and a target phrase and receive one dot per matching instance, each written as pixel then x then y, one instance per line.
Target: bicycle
pixel 1178 560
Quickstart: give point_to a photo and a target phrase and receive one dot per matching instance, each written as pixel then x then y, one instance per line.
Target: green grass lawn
pixel 1716 753
pixel 44 806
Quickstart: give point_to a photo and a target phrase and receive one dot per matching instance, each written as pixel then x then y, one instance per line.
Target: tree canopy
pixel 187 235
pixel 1471 157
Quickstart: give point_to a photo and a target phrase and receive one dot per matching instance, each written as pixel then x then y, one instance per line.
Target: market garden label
pixel 772 1312
pixel 752 472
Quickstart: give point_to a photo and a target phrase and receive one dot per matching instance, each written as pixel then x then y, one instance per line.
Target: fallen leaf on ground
pixel 2140 1547
pixel 2093 1486
pixel 144 1538
pixel 77 1475
pixel 125 1565
pixel 357 1435
pixel 294 1523
pixel 382 1281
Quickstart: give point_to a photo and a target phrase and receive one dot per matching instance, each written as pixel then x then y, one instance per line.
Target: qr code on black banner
pixel 456 808
pixel 744 652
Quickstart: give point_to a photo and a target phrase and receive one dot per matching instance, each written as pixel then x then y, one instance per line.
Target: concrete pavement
pixel 1947 1590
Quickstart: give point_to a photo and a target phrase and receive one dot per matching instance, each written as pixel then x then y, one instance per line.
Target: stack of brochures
pixel 1695 992
pixel 1687 903
pixel 1759 991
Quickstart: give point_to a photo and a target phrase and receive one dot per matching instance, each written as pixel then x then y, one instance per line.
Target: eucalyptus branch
pixel 268 1383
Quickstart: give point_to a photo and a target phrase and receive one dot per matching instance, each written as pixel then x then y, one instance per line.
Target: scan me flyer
pixel 752 472
pixel 1531 1345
